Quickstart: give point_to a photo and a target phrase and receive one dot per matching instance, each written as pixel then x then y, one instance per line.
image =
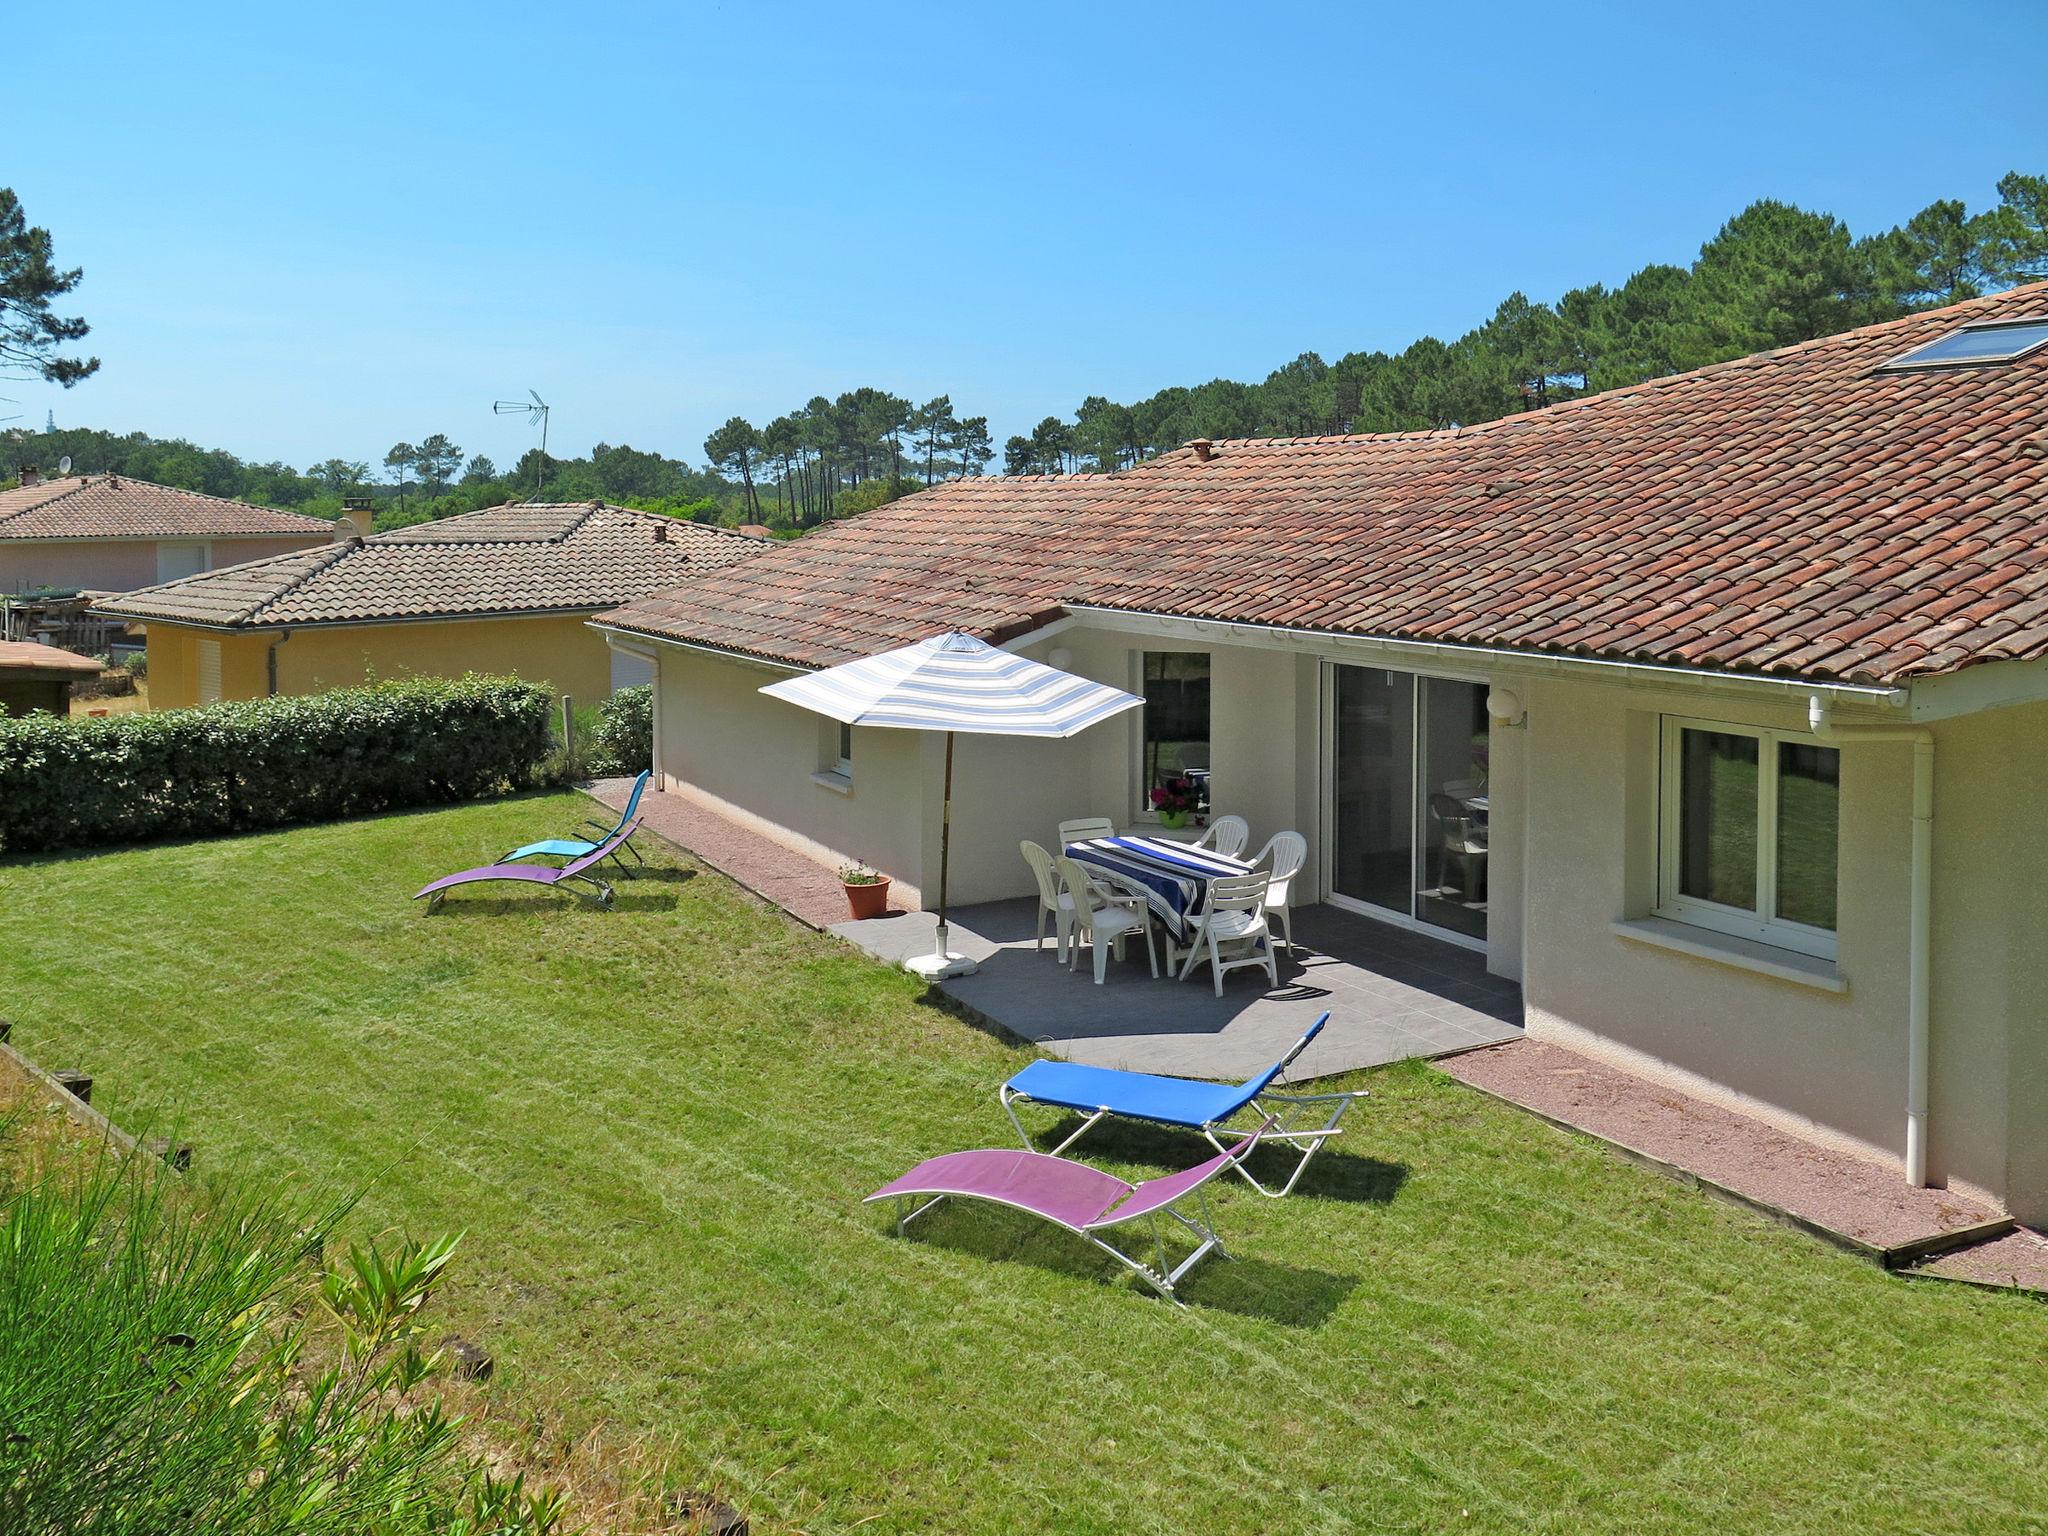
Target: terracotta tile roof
pixel 503 560
pixel 1795 512
pixel 116 507
pixel 26 657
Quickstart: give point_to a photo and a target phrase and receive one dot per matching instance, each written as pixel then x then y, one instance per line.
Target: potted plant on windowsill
pixel 867 890
pixel 1176 800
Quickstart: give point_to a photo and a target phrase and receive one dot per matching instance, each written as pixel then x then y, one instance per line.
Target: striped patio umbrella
pixel 954 682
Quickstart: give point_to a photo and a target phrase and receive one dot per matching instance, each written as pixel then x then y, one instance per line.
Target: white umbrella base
pixel 940 967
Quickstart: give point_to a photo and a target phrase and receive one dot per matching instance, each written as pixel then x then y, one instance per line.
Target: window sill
pixel 838 783
pixel 1144 825
pixel 1727 949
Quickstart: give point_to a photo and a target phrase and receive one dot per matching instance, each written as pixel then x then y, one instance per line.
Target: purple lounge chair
pixel 1080 1199
pixel 533 874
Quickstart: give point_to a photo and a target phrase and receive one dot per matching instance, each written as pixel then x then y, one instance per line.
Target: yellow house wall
pixel 174 665
pixel 563 653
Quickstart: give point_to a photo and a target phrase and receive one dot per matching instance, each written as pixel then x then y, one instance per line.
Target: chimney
pixel 1204 449
pixel 30 475
pixel 355 521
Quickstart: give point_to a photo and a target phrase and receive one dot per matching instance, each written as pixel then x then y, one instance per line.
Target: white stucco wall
pixel 756 757
pixel 1832 1064
pixel 1574 792
pixel 722 740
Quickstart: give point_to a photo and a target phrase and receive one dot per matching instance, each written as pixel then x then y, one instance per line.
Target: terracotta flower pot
pixel 868 899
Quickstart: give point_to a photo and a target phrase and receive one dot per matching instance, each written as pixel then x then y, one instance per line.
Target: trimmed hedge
pixel 239 767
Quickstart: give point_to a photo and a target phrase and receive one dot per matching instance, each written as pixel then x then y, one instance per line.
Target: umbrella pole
pixel 943 963
pixel 945 842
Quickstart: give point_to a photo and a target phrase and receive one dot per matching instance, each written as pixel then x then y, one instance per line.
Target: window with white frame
pixel 1750 825
pixel 835 754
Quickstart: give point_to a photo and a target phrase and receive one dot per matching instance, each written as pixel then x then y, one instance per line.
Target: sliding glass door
pixel 1409 796
pixel 1373 774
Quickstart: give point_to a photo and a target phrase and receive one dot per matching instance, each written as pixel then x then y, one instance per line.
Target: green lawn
pixel 655 1124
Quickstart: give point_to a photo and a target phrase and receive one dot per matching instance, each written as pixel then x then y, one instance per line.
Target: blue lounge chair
pixel 1180 1101
pixel 577 847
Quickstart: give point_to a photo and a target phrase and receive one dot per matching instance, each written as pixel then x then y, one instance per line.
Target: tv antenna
pixel 534 409
pixel 5 401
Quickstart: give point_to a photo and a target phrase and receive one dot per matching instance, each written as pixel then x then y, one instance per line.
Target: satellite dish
pixel 64 465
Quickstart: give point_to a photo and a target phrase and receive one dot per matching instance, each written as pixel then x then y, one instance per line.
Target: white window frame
pixel 1761 923
pixel 835 756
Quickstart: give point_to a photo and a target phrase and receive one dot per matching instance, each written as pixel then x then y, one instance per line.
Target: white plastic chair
pixel 1227 835
pixel 1233 930
pixel 1283 856
pixel 1086 829
pixel 1105 923
pixel 1053 902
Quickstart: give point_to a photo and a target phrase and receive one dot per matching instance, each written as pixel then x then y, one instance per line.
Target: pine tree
pixel 30 279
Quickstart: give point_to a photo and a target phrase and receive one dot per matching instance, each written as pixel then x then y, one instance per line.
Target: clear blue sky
pixel 319 229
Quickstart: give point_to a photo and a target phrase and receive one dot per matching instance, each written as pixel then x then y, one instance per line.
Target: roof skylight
pixel 1994 341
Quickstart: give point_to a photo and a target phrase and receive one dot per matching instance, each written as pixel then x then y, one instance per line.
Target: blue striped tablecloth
pixel 1174 877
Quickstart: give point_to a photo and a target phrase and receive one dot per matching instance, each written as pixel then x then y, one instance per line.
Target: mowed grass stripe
pixel 656 1124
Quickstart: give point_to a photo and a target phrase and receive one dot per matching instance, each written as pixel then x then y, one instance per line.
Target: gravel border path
pixel 802 887
pixel 1861 1199
pixel 2017 1259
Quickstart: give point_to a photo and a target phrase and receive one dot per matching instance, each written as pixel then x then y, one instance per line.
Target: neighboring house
pixel 1649 696
pixel 108 533
pixel 504 590
pixel 34 676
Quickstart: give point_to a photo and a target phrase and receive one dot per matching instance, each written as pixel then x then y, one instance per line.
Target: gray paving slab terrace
pixel 1391 994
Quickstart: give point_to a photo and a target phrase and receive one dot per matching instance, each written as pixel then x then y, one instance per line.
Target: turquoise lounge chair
pixel 581 847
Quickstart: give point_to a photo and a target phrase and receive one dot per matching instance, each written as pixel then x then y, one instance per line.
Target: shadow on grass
pixel 1334 1175
pixel 973 1018
pixel 1292 1295
pixel 644 894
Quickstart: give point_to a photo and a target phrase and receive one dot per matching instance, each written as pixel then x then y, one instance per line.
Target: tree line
pixel 835 457
pixel 1775 274
pixel 416 483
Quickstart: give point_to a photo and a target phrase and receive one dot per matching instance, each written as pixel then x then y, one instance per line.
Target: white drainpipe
pixel 1919 942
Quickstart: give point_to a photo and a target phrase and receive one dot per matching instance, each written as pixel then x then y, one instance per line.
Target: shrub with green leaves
pixel 178 1361
pixel 623 740
pixel 237 767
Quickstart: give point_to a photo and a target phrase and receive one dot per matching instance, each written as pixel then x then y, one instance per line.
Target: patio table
pixel 1172 877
